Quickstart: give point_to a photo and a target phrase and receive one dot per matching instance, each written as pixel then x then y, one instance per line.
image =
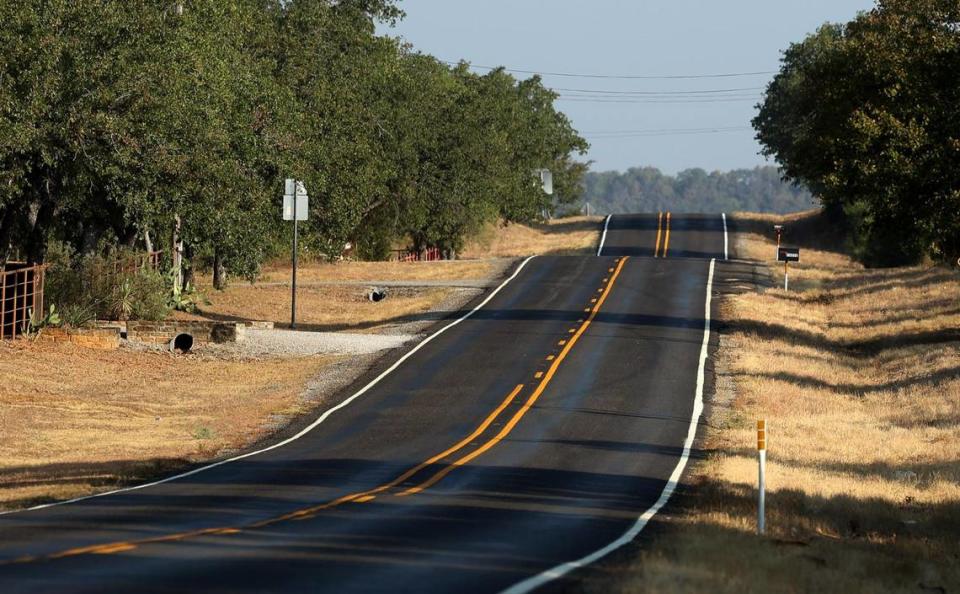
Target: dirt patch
pixel 856 372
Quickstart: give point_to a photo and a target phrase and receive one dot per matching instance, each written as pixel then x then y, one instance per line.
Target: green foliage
pixel 866 115
pixel 117 116
pixel 149 296
pixel 77 315
pixel 89 287
pixel 52 318
pixel 184 299
pixel 646 189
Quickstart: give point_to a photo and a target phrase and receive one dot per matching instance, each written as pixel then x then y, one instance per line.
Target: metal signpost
pixel 787 255
pixel 779 230
pixel 295 208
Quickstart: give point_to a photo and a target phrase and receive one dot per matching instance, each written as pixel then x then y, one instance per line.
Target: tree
pixel 647 189
pixel 865 114
pixel 136 122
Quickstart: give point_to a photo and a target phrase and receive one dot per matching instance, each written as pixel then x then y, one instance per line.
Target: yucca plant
pixel 122 300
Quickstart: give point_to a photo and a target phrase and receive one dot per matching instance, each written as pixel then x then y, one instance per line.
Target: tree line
pixel 647 189
pixel 124 122
pixel 867 115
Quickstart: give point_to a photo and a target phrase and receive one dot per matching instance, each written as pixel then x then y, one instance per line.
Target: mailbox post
pixel 787 255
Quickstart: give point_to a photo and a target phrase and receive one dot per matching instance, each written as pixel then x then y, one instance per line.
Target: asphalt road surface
pixel 533 433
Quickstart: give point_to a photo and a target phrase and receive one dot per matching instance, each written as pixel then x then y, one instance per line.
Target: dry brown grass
pixel 75 421
pixel 858 375
pixel 574 235
pixel 379 271
pixel 319 308
pixel 340 307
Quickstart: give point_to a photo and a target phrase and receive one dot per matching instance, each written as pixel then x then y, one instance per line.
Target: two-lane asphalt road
pixel 544 428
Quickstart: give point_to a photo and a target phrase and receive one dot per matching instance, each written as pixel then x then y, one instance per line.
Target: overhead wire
pixel 616 76
pixel 657 101
pixel 658 93
pixel 647 97
pixel 664 132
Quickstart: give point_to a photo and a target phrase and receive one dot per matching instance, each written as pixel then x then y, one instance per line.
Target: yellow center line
pixel 528 404
pixel 666 240
pixel 301 514
pixel 656 246
pixel 365 496
pixel 369 495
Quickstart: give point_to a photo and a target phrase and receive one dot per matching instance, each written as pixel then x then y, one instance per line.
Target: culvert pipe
pixel 181 343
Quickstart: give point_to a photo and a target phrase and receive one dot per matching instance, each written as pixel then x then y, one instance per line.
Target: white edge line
pixel 559 571
pixel 725 243
pixel 603 238
pixel 309 427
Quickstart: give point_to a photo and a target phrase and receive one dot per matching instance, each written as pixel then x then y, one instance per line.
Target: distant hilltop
pixel 647 189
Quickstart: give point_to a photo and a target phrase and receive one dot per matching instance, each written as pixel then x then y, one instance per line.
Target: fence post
pixel 3 303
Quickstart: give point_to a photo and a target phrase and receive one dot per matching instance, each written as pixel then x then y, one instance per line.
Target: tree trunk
pixel 6 232
pixel 36 244
pixel 219 271
pixel 177 255
pixel 187 266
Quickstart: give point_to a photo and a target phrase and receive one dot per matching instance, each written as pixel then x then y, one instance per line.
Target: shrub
pixel 149 294
pixel 77 315
pixel 87 287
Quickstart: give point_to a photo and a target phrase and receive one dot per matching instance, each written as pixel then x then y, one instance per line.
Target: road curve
pixel 531 434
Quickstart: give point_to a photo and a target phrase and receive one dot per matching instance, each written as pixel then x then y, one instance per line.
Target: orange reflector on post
pixel 761 434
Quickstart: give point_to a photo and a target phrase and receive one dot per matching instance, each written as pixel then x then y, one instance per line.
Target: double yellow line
pixel 371 494
pixel 663 231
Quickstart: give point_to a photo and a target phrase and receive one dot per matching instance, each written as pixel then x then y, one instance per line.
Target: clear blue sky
pixel 634 37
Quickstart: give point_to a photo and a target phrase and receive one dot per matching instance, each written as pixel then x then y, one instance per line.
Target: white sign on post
pixel 303 207
pixel 546 181
pixel 295 193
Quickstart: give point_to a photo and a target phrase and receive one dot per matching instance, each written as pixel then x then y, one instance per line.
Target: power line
pixel 679 132
pixel 649 130
pixel 618 76
pixel 658 93
pixel 576 99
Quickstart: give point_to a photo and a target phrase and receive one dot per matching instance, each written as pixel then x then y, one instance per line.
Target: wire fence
pixel 135 262
pixel 21 297
pixel 427 255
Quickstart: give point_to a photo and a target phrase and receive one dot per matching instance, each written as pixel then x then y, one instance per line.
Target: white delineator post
pixel 762 460
pixel 786 275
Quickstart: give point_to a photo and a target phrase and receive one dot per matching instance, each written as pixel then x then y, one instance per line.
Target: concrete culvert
pixel 181 343
pixel 377 295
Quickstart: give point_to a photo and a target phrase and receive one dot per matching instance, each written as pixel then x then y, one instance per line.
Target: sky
pixel 669 123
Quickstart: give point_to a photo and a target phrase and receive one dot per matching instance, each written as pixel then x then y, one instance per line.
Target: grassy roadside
pixel 349 271
pixel 345 307
pixel 857 374
pixel 318 308
pixel 75 421
pixel 333 306
pixel 568 236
